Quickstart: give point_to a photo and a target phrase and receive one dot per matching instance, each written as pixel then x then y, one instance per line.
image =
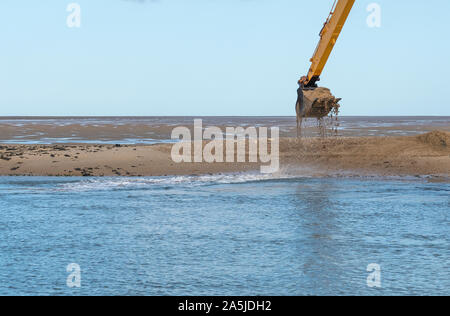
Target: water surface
pixel 223 235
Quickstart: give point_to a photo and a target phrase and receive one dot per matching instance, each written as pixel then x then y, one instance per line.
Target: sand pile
pixel 320 102
pixel 436 138
pixel 405 155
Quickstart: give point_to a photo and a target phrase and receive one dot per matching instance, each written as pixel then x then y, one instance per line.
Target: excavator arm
pixel 319 102
pixel 328 37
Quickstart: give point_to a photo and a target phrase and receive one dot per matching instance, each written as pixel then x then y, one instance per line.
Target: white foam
pixel 109 183
pixel 117 183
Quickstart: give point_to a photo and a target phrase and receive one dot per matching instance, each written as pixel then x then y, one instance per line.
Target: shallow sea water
pixel 224 235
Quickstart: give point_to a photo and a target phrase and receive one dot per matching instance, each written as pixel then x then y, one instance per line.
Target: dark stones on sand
pixel 59 148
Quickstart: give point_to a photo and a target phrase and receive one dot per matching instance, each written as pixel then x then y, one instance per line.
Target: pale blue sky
pixel 218 57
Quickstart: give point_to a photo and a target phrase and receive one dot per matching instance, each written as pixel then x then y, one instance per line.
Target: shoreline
pixel 424 155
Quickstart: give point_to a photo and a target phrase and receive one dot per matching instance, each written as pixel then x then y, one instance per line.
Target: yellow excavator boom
pixel 314 102
pixel 328 37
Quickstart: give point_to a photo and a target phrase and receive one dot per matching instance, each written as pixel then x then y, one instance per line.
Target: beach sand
pixel 424 155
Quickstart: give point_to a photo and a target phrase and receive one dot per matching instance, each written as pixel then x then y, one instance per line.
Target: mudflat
pixel 423 155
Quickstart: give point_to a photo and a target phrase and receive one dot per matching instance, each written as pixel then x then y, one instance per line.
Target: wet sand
pixel 150 130
pixel 422 155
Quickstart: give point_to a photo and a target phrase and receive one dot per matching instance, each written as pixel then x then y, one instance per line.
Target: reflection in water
pixel 320 247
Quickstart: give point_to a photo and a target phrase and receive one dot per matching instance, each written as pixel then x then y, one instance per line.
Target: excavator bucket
pixel 318 103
